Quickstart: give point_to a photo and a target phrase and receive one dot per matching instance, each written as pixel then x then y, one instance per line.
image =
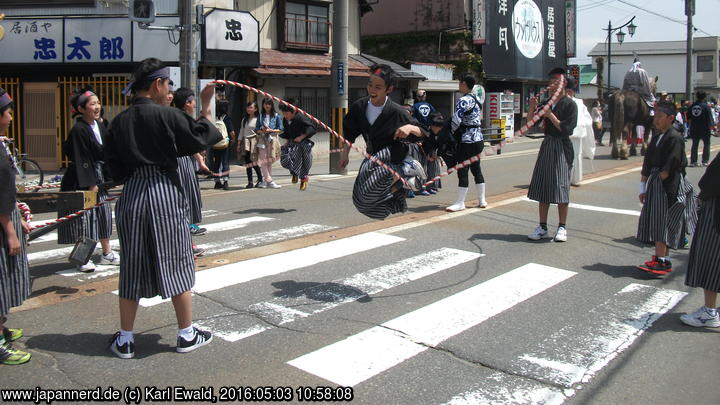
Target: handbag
pixel 82 251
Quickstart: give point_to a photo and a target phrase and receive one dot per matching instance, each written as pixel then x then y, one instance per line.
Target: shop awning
pixel 402 72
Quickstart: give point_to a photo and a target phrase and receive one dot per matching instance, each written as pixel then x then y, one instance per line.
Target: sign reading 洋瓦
pixel 525 38
pixel 231 38
pixel 83 40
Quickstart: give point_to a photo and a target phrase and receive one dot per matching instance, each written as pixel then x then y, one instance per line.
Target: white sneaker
pixel 88 267
pixel 110 258
pixel 538 233
pixel 272 184
pixel 456 207
pixel 261 184
pixel 561 235
pixel 702 318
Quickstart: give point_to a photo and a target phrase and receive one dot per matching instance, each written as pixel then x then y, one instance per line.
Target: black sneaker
pixel 225 186
pixel 201 339
pixel 218 185
pixel 126 351
pixel 197 231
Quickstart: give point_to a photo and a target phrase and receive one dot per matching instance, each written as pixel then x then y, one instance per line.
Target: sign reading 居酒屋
pixel 32 41
pixel 525 38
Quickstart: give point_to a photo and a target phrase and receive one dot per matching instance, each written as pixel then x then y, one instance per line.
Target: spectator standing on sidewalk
pixel 597 120
pixel 247 144
pixel 142 149
pixel 14 271
pixel 702 123
pixel 421 110
pixel 704 262
pixel 268 126
pixel 220 153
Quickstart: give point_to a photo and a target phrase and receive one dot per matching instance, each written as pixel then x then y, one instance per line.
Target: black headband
pixel 5 100
pixel 162 73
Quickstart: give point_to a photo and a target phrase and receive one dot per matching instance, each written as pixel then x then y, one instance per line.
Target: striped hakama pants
pixel 550 182
pixel 666 221
pixel 372 193
pixel 95 224
pixel 155 241
pixel 704 263
pixel 297 157
pixel 14 272
pixel 191 188
pixel 432 168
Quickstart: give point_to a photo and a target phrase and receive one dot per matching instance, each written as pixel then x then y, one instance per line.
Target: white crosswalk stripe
pixel 378 349
pixel 240 272
pixel 326 296
pixel 60 253
pixel 579 350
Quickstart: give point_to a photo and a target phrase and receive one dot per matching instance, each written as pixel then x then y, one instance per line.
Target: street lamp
pixel 620 38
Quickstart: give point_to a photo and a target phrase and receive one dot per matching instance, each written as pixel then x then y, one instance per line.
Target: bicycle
pixel 29 172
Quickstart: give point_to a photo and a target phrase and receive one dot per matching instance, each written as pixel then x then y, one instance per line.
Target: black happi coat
pixel 566 111
pixel 84 153
pixel 299 125
pixel 151 134
pixel 710 187
pixel 669 156
pixel 7 183
pixel 381 133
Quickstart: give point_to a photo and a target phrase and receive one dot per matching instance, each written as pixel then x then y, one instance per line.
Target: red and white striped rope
pixel 263 161
pixel 322 124
pixel 49 185
pixel 25 211
pixel 73 215
pixel 521 131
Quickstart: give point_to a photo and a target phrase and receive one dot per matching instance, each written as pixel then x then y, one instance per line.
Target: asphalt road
pixel 424 308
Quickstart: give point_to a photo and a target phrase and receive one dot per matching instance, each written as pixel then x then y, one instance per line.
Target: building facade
pixel 666 60
pixel 49 49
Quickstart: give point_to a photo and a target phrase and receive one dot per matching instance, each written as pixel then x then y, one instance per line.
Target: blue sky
pixel 593 16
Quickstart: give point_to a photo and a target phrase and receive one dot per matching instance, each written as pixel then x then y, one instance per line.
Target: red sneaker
pixel 660 267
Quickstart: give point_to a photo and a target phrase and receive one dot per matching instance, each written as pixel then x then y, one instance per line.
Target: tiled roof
pixel 274 62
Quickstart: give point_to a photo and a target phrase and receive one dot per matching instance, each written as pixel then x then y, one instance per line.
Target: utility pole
pixel 689 12
pixel 339 77
pixel 188 46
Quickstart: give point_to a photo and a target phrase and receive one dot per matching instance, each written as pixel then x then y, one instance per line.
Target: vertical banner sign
pixel 525 38
pixel 493 106
pixel 571 27
pixel 574 71
pixel 341 78
pixel 479 16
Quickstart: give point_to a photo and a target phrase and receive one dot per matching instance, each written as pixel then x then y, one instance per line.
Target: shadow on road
pixel 265 211
pixel 625 271
pixel 95 344
pixel 323 292
pixel 511 237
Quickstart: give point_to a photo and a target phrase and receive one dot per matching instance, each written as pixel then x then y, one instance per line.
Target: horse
pixel 628 111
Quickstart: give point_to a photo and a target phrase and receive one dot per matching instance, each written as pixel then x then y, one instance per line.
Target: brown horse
pixel 628 111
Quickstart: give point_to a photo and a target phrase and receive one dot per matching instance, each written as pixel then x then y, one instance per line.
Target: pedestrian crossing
pixel 546 369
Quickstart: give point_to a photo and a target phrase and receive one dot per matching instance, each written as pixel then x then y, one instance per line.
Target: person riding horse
pixel 637 80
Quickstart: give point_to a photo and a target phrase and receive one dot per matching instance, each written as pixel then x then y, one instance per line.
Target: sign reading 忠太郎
pixel 527 25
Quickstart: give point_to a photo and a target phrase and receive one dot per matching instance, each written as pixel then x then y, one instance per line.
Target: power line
pixel 662 16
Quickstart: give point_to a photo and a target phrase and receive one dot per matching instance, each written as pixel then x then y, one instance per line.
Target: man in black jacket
pixel 701 126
